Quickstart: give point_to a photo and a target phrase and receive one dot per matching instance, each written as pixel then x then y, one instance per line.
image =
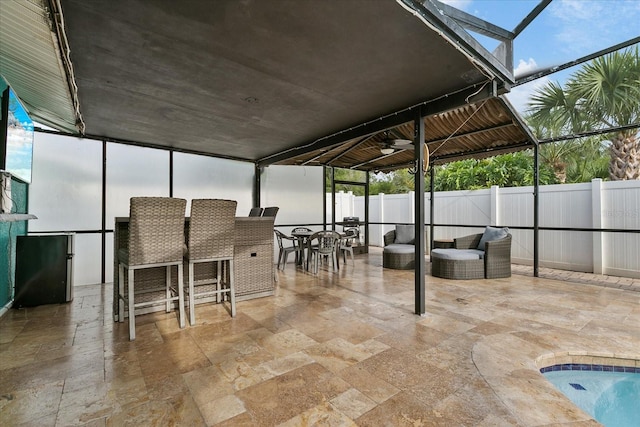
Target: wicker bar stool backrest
pixel 270 211
pixel 255 212
pixel 212 228
pixel 156 230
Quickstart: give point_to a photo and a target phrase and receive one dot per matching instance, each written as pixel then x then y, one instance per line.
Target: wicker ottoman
pixel 399 256
pixel 457 264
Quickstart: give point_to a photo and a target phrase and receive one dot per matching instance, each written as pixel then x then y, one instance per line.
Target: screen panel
pixel 134 172
pixel 204 177
pixel 66 191
pixel 298 192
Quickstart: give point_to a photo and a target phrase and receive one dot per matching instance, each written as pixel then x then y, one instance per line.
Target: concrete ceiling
pixel 247 79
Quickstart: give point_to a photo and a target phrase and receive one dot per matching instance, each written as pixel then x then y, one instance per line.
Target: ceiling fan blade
pixel 402 144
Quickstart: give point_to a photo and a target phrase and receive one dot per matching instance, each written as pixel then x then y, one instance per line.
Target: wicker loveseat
pixel 478 256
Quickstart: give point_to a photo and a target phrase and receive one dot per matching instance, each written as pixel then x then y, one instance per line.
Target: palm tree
pixel 604 93
pixel 549 123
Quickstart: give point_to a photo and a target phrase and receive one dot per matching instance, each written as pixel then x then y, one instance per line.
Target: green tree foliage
pixel 347 175
pixel 508 170
pixel 602 94
pixel 588 159
pixel 397 182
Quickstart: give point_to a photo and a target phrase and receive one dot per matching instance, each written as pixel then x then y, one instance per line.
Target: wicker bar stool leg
pixel 180 294
pixel 120 293
pixel 132 316
pixel 167 278
pixel 192 313
pixel 218 284
pixel 232 289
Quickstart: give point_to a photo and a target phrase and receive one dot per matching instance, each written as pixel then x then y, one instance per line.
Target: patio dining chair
pixel 325 247
pixel 156 239
pixel 285 250
pixel 347 242
pixel 211 240
pixel 257 211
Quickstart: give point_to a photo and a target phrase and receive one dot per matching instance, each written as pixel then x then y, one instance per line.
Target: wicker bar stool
pixel 211 240
pixel 156 239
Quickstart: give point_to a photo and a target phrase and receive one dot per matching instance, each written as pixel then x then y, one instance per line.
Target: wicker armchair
pixel 399 256
pixel 156 239
pixel 211 240
pixel 494 263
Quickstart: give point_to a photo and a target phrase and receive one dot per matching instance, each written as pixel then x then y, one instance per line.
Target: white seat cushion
pixel 398 248
pixel 457 254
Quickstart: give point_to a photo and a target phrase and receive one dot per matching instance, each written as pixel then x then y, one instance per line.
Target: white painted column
pixel 352 206
pixel 427 229
pixel 412 203
pixel 382 219
pixel 495 205
pixel 596 221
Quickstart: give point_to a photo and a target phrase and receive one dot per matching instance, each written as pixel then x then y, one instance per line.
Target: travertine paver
pixel 337 348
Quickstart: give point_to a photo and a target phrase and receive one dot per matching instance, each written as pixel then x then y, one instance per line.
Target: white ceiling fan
pixel 389 144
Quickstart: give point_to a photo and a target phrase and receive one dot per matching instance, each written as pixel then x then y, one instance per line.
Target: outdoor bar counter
pixel 253 262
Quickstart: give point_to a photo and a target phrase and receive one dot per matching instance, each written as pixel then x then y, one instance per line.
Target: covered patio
pixel 334 349
pixel 300 84
pixel 306 94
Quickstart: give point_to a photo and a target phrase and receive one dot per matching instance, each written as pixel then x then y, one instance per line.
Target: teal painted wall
pixel 8 233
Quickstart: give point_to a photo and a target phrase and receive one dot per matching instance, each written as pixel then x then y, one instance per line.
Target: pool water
pixel 612 398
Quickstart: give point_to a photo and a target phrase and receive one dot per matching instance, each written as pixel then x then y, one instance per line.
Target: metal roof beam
pixel 530 17
pixel 471 133
pixel 475 24
pixel 449 28
pixel 591 133
pixel 444 103
pixel 353 147
pixel 458 156
pixel 530 77
pixel 384 156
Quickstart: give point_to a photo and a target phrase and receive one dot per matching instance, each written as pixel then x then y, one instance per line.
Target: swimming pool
pixel 610 394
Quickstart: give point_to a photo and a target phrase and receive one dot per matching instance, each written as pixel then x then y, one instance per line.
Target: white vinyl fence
pixel 593 205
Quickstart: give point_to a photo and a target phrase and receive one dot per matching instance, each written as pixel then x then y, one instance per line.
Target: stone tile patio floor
pixel 340 348
pixel 627 283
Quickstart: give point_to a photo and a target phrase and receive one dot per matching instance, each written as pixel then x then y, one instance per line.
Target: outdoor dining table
pixel 303 238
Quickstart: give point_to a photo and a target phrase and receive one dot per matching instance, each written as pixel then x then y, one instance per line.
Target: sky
pixel 566 30
pixel 19 140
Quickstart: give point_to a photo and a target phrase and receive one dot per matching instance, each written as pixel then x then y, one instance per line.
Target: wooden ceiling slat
pixel 475 131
